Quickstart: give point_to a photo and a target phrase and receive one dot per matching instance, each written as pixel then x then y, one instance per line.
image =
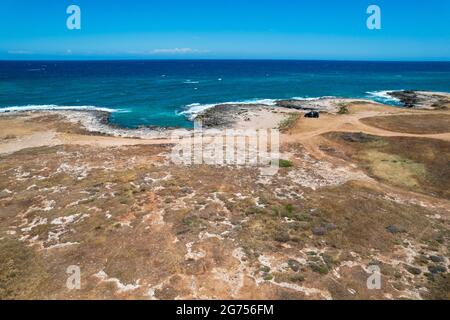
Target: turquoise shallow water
pixel 165 93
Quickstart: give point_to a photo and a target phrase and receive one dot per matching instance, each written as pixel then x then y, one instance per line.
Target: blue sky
pixel 198 29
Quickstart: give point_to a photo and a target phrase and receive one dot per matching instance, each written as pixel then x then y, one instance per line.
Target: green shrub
pixel 285 163
pixel 343 109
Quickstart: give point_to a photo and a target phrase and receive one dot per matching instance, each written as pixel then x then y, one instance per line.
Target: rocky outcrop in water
pixel 319 105
pixel 422 99
pixel 293 104
pixel 224 115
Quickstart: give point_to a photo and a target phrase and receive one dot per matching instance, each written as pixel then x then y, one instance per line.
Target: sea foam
pixel 383 96
pixel 56 107
pixel 193 110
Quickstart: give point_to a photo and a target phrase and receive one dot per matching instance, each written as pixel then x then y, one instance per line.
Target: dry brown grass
pixel 287 124
pixel 22 272
pixel 417 164
pixel 142 213
pixel 415 124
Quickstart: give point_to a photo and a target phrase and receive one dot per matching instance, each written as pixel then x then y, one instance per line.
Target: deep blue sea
pixel 166 93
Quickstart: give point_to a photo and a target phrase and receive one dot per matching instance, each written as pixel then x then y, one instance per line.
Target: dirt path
pixel 308 131
pixel 105 141
pixel 33 140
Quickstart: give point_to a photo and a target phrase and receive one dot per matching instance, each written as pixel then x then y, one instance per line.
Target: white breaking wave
pixel 56 107
pixel 383 96
pixel 314 98
pixel 194 109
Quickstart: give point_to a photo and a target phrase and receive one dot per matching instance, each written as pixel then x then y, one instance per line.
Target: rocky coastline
pixel 241 115
pixel 422 99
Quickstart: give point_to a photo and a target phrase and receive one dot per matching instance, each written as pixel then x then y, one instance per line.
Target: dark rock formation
pixel 293 104
pixel 223 115
pixel 319 231
pixel 408 98
pixel 422 99
pixel 394 229
pixel 437 269
pixel 294 265
pixel 437 258
pixel 413 270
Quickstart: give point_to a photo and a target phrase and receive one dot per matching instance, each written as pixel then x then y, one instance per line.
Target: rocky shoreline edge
pixel 240 115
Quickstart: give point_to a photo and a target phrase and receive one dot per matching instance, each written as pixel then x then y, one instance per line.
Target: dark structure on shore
pixel 312 114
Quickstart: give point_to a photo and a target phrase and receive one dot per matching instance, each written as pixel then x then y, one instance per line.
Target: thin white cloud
pixel 20 52
pixel 178 51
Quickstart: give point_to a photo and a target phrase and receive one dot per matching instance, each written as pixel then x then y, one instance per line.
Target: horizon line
pixel 219 59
